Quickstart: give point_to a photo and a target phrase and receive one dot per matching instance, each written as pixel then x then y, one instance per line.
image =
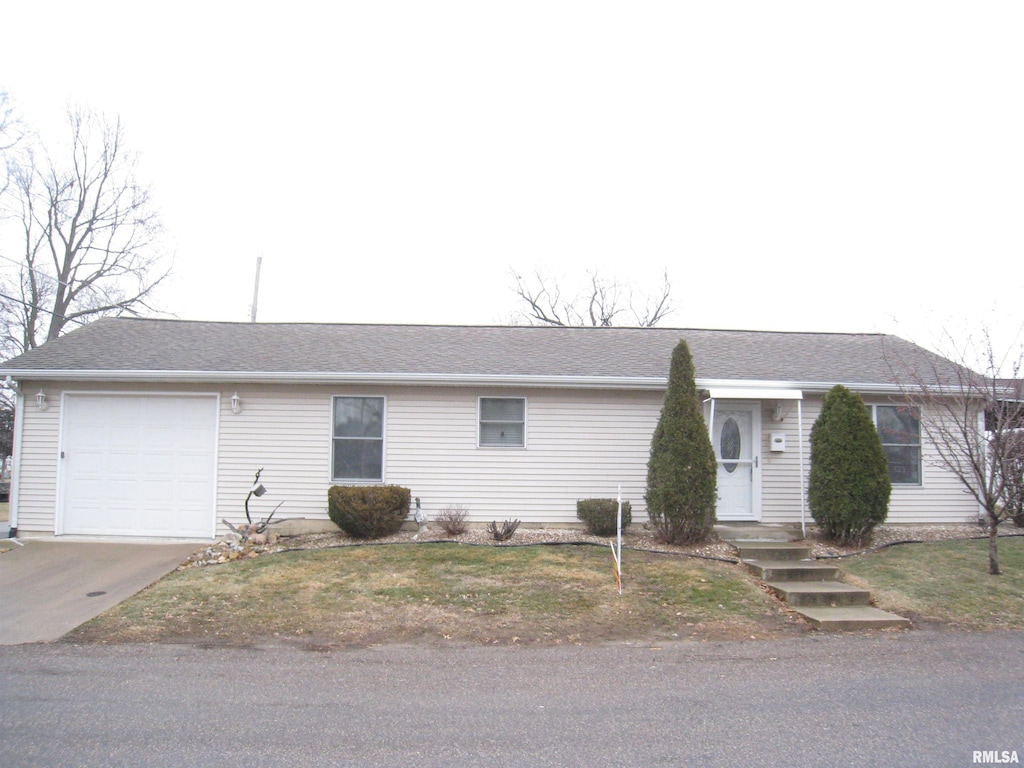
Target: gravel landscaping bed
pixel 635 537
pixel 891 534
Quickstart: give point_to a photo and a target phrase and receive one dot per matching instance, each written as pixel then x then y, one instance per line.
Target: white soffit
pixel 725 393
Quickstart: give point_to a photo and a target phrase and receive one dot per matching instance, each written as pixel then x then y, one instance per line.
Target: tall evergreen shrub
pixel 682 472
pixel 849 486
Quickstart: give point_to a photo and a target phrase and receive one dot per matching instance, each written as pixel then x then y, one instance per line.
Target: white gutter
pixel 767 389
pixel 332 377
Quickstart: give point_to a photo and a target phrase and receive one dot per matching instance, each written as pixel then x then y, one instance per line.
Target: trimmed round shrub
pixel 601 515
pixel 849 486
pixel 368 511
pixel 682 473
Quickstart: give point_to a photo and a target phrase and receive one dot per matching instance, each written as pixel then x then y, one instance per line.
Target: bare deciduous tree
pixel 12 132
pixel 604 302
pixel 83 233
pixel 1015 482
pixel 11 127
pixel 973 419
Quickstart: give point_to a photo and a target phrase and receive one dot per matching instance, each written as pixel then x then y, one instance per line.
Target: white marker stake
pixel 618 555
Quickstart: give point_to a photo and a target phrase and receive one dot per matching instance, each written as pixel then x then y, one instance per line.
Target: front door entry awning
pixel 729 393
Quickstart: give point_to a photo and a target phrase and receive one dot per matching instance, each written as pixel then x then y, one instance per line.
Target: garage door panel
pixel 139 465
pixel 191 467
pixel 162 464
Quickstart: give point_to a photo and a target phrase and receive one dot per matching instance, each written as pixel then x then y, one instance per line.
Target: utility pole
pixel 256 290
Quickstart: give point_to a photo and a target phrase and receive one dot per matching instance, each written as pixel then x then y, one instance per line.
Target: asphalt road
pixel 922 698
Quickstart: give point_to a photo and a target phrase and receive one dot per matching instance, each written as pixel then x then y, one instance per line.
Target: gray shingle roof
pixel 114 347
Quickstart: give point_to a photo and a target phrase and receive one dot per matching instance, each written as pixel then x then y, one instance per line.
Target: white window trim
pixel 383 443
pixel 479 422
pixel 873 408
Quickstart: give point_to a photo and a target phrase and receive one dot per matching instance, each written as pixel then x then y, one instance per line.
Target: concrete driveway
pixel 48 587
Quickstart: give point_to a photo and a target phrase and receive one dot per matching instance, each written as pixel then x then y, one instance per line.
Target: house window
pixel 502 422
pixel 899 426
pixel 358 439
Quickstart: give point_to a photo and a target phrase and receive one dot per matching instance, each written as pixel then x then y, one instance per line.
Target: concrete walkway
pixel 48 587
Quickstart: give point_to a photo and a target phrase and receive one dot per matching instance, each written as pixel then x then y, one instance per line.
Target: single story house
pixel 138 427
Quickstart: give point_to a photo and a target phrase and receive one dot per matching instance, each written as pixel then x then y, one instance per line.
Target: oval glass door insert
pixel 729 444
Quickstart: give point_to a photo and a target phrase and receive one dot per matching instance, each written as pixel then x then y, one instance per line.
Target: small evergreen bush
pixel 601 515
pixel 368 511
pixel 682 473
pixel 848 490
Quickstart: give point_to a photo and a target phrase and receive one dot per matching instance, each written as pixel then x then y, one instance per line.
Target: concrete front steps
pixel 811 588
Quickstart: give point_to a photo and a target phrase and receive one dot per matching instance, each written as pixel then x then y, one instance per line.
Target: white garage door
pixel 138 465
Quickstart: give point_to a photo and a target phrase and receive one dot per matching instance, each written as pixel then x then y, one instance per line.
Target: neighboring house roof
pixel 126 349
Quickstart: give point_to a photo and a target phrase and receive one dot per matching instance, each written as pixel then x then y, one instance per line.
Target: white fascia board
pixel 649 383
pixel 808 387
pixel 304 377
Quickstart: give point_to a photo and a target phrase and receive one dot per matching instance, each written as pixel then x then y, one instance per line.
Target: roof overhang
pixel 724 388
pixel 347 378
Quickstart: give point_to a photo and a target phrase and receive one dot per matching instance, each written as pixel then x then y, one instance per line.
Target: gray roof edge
pixel 431 379
pixel 481 326
pixel 341 377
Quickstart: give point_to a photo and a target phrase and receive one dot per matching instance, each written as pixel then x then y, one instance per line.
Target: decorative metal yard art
pixel 255 533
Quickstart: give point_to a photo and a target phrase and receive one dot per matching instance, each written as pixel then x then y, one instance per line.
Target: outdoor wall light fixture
pixel 41 401
pixel 778 415
pixel 236 403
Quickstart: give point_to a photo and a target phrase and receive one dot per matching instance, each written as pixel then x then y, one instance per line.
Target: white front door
pixel 736 436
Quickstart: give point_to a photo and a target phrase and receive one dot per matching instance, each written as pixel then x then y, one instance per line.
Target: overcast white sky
pixel 793 165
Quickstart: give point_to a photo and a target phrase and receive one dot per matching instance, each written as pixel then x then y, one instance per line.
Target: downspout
pixel 803 489
pixel 19 427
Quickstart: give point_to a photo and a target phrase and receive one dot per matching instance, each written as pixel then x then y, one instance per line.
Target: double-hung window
pixel 502 422
pixel 358 437
pixel 899 426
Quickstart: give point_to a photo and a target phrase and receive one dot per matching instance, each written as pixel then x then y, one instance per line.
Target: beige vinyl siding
pixel 286 432
pixel 37 465
pixel 579 444
pixel 780 471
pixel 939 499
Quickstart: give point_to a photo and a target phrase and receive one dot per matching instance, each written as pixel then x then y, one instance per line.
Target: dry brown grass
pixel 446 593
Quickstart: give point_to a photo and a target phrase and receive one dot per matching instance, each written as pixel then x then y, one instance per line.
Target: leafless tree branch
pixel 973 420
pixel 88 234
pixel 604 302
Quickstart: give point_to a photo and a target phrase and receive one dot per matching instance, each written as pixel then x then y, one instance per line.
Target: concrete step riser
pixel 793 573
pixel 824 599
pixel 882 621
pixel 767 552
pixel 739 532
pixel 827 607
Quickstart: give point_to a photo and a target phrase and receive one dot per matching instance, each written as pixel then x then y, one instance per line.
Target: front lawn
pixel 946 582
pixel 447 593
